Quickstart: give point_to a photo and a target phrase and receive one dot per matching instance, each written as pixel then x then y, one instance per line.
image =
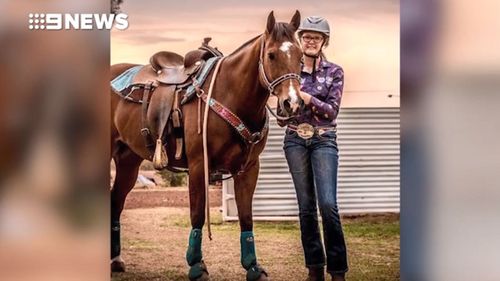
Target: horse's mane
pixel 281 32
pixel 246 44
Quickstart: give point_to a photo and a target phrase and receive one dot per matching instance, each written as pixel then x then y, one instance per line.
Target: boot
pixel 316 274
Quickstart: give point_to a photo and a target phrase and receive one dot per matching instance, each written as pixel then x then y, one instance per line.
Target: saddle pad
pixel 200 78
pixel 124 80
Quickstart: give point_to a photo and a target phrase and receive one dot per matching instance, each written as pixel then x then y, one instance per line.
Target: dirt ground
pixel 154 242
pixel 167 197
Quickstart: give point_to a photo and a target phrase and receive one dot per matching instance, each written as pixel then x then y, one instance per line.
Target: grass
pixel 155 240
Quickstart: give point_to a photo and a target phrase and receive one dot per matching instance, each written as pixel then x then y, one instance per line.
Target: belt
pixel 306 130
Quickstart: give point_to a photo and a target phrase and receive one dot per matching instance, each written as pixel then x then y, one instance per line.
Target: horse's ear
pixel 271 22
pixel 295 22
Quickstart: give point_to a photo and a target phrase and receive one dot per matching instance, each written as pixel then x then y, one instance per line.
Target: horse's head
pixel 279 64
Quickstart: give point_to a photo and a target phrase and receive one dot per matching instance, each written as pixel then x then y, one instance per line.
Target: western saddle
pixel 170 68
pixel 165 77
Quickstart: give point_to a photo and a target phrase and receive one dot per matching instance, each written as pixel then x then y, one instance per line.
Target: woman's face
pixel 311 42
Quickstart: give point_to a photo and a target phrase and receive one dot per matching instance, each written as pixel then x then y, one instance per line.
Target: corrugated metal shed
pixel 368 179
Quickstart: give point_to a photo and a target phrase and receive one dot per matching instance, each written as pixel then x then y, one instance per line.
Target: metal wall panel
pixel 368 181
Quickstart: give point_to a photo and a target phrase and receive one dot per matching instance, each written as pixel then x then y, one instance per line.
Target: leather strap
pixel 176 121
pixel 233 120
pixel 206 168
pixel 251 139
pixel 145 132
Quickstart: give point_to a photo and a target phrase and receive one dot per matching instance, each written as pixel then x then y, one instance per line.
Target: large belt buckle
pixel 305 130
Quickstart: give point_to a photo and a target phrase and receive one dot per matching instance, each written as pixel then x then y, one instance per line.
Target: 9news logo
pixel 55 21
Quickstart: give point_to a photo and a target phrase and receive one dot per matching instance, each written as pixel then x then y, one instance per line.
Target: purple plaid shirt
pixel 326 94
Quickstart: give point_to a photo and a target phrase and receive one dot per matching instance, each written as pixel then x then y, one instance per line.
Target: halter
pixel 271 85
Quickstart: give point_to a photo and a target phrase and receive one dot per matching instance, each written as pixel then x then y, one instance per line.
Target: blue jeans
pixel 313 164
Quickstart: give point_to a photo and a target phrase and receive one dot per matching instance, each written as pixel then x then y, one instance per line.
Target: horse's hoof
pixel 198 272
pixel 257 273
pixel 117 265
pixel 203 277
pixel 263 277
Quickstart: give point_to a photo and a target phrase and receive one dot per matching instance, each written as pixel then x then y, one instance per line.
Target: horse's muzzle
pixel 288 108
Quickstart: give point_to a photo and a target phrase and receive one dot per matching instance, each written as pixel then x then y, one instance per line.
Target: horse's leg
pixel 198 270
pixel 244 188
pixel 127 170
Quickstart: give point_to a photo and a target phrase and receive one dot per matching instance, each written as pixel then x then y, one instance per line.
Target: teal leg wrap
pixel 193 254
pixel 248 256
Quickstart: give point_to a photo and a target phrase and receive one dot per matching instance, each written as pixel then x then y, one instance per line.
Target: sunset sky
pixel 365 36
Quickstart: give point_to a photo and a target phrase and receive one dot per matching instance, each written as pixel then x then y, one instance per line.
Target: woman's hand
pixel 305 97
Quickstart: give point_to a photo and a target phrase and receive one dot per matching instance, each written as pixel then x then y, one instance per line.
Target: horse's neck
pixel 243 93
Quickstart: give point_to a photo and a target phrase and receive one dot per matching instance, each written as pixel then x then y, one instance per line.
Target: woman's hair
pixel 322 55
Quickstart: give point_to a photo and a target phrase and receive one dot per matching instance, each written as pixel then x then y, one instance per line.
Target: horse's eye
pixel 271 56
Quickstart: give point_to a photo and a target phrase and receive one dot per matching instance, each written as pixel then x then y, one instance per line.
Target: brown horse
pixel 267 64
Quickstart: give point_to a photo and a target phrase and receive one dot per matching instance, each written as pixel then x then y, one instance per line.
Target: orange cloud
pixel 365 36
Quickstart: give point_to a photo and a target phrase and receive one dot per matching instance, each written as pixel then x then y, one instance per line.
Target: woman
pixel 311 151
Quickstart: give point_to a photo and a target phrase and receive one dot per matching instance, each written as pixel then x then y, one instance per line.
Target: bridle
pixel 271 85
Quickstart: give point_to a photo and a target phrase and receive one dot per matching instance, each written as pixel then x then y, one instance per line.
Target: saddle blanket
pixel 124 80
